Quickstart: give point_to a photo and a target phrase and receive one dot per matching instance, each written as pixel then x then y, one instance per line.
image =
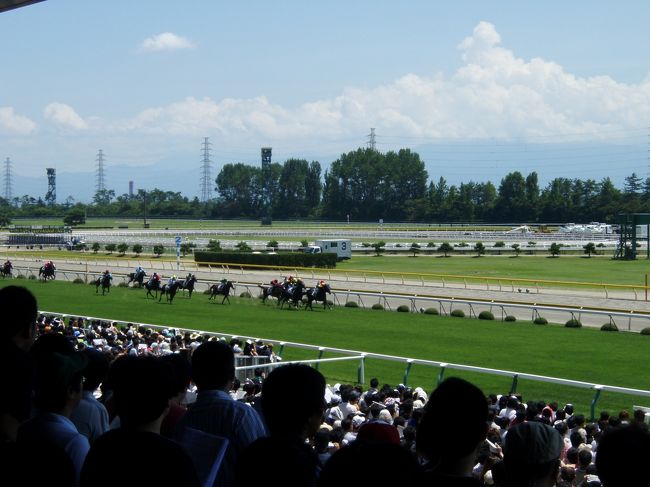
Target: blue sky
pixel 477 88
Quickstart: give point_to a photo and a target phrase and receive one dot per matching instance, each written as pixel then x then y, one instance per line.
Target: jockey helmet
pixel 174 277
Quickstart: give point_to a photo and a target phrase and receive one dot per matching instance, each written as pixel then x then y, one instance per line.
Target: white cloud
pixel 167 41
pixel 13 124
pixel 494 94
pixel 65 116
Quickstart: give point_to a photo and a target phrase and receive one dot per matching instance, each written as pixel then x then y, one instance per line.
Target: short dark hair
pixel 19 309
pixel 462 436
pixel 623 455
pixel 297 380
pixel 142 387
pixel 374 382
pixel 213 365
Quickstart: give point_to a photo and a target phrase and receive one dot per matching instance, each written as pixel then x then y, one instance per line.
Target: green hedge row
pixel 284 260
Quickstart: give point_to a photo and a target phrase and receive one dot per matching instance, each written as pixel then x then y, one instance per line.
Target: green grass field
pixel 580 354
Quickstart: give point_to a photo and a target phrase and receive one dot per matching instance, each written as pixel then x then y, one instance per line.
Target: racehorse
pixel 319 294
pixel 169 290
pixel 6 269
pixel 273 291
pixel 152 285
pixel 188 284
pixel 292 295
pixel 47 272
pixel 136 277
pixel 221 289
pixel 105 282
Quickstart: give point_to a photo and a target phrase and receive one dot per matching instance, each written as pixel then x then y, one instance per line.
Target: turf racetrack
pixel 619 359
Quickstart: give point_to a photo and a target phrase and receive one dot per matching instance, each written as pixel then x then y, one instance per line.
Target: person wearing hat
pixel 531 455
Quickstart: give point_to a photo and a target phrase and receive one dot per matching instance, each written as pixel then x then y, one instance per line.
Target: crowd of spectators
pixel 100 404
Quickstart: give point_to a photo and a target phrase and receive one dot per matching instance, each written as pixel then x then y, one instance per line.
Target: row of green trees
pixel 364 185
pixel 479 247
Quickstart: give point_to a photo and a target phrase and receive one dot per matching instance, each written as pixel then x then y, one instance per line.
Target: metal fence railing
pixel 408 362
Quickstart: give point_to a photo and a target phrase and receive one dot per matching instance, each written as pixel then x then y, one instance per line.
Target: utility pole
pixel 8 181
pixel 206 172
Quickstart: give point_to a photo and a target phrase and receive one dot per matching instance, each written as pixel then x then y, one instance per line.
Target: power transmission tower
pixel 101 182
pixel 206 172
pixel 372 143
pixel 8 180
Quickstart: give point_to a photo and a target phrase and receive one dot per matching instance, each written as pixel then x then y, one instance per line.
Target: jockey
pixel 172 280
pixel 155 278
pixel 108 274
pixel 275 283
pixel 138 270
pixel 8 264
pixel 321 284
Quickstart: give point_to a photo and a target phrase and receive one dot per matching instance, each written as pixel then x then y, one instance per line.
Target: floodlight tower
pixel 50 196
pixel 206 172
pixel 266 175
pixel 7 180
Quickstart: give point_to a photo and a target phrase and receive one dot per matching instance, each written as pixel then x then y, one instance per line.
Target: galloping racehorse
pixel 272 291
pixel 293 294
pixel 169 290
pixel 105 282
pixel 318 294
pixel 188 283
pixel 47 271
pixel 6 269
pixel 222 289
pixel 152 285
pixel 136 277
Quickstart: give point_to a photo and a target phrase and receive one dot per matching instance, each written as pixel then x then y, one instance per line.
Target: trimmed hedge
pixel 78 280
pixel 485 315
pixel 645 331
pixel 540 321
pixel 609 327
pixel 122 284
pixel 377 306
pixel 458 313
pixel 284 260
pixel 245 294
pixel 404 308
pixel 351 304
pixel 431 311
pixel 510 318
pixel 573 323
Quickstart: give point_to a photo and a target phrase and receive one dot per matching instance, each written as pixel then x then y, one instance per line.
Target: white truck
pixel 339 246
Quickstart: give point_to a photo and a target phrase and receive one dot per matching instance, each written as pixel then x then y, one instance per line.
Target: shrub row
pixel 284 260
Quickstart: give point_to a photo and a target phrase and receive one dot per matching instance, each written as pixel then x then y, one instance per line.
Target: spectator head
pixel 572 455
pixel 19 316
pixel 142 387
pixel 531 454
pixel 623 455
pixel 568 409
pixel 181 372
pixel 58 381
pixel 308 386
pixel 584 458
pixel 463 435
pixel 96 369
pixel 213 366
pixel 374 383
pixel 398 466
